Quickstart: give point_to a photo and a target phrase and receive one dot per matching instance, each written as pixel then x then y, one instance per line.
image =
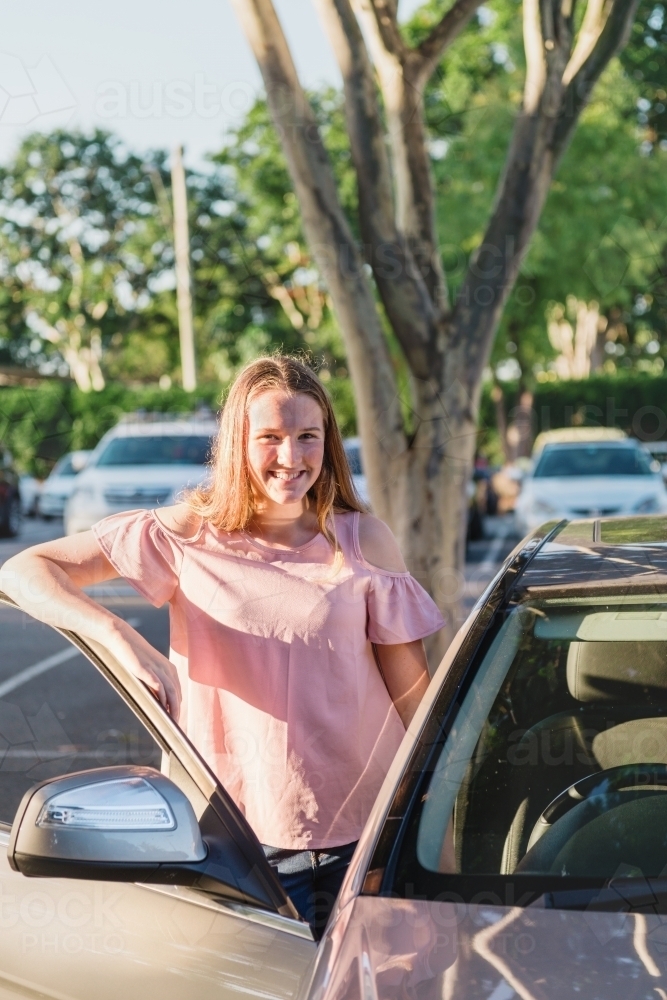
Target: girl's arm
pixel 403 665
pixel 405 673
pixel 46 581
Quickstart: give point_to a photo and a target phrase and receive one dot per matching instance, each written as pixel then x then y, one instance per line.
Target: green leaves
pixel 80 240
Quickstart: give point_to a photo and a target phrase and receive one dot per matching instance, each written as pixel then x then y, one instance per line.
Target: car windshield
pixel 555 766
pixel 162 449
pixel 64 467
pixel 592 460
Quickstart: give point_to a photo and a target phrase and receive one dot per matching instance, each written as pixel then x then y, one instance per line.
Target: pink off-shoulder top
pixel 281 692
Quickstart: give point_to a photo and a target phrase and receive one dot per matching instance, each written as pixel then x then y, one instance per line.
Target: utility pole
pixel 182 252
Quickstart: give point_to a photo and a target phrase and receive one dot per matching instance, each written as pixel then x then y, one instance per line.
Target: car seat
pixel 618 717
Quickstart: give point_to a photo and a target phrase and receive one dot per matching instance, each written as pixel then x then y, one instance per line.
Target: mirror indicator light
pixel 125 804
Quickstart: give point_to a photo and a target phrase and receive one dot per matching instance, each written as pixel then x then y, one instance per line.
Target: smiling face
pixel 285 445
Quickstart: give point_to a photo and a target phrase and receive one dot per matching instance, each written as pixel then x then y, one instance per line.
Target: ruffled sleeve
pixel 141 552
pixel 399 609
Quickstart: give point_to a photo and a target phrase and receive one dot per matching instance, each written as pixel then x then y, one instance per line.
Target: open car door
pixel 230 931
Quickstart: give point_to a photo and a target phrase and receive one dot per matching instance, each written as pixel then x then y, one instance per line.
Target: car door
pixel 65 707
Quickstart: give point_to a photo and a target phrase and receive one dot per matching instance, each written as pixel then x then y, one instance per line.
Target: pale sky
pixel 156 73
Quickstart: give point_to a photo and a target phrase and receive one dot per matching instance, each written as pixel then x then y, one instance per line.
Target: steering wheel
pixel 615 806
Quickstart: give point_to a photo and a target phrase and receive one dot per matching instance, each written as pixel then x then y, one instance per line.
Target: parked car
pixel 590 479
pixel 146 460
pixel 576 435
pixel 353 451
pixel 58 487
pixel 516 848
pixel 29 490
pixel 10 498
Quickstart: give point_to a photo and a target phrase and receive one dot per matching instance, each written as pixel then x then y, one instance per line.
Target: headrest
pixel 634 672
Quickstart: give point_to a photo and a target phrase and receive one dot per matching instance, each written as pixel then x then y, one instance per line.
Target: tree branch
pixel 402 288
pixel 415 212
pixel 363 117
pixel 385 16
pixel 611 39
pixel 596 14
pixel 428 54
pixel 539 140
pixel 536 67
pixel 332 245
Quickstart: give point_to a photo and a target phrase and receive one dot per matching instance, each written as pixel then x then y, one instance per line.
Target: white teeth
pixel 286 475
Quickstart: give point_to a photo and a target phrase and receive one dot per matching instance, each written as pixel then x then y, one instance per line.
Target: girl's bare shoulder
pixel 180 519
pixel 378 545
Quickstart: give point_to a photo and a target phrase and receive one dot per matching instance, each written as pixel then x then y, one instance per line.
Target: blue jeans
pixel 311 879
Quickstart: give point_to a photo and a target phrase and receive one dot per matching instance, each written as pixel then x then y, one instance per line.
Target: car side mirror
pixel 125 824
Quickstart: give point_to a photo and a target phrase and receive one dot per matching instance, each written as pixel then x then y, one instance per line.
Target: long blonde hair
pixel 226 501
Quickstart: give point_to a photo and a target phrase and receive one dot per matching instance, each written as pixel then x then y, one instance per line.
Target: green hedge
pixel 40 424
pixel 636 403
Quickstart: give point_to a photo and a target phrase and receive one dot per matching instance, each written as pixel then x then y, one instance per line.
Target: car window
pixel 353 453
pixel 554 771
pixel 176 449
pixel 64 467
pixel 58 714
pixel 592 460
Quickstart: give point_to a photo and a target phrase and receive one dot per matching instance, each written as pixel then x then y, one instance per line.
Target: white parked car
pixel 590 479
pixel 58 487
pixel 144 461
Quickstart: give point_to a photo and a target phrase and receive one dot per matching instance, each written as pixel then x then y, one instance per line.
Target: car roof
pixel 575 435
pixel 167 428
pixel 599 557
pixel 568 445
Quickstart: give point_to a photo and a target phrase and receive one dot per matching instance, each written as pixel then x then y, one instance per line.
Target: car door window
pixel 58 714
pixel 550 776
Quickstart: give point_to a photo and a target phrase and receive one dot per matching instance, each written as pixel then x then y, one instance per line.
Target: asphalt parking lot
pixel 57 714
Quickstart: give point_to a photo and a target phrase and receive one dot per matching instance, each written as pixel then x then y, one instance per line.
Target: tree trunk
pixel 430 512
pixel 418 472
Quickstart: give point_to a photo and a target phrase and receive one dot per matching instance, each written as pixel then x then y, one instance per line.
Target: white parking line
pixel 47 663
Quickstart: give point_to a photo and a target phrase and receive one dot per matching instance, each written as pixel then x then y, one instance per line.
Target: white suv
pixel 146 460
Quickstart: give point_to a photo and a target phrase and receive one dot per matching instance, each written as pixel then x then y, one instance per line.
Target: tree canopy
pixel 87 282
